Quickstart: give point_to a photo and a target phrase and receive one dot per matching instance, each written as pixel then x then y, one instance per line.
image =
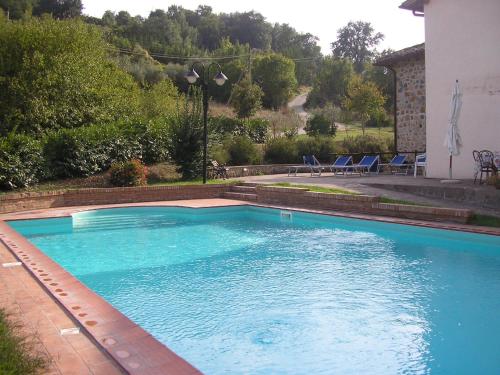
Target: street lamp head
pixel 220 78
pixel 192 76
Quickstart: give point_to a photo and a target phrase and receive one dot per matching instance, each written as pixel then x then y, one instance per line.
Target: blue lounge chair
pixel 399 165
pixel 310 163
pixel 369 163
pixel 343 164
pixel 313 164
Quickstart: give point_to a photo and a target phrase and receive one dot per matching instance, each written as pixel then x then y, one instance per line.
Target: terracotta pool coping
pixel 133 348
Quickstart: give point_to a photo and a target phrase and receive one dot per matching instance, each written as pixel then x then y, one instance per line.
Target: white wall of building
pixel 462 42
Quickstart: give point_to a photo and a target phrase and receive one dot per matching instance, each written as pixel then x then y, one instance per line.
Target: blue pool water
pixel 246 290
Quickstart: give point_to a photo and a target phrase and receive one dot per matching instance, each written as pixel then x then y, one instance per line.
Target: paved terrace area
pixel 465 194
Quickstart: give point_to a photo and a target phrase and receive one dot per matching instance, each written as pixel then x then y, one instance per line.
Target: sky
pixel 321 18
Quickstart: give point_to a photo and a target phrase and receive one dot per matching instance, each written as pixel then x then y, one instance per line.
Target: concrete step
pixel 248 184
pixel 243 189
pixel 240 196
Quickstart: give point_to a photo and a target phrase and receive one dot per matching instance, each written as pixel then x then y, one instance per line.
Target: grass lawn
pixel 485 221
pixel 316 188
pixel 16 352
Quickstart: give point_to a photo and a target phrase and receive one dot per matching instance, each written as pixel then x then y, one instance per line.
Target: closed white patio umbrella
pixel 453 140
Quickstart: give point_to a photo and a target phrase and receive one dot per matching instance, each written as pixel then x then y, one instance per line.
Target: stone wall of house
pixel 410 75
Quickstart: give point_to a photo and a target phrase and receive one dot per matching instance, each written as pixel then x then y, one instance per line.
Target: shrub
pixel 319 124
pixel 281 150
pixel 223 126
pixel 322 147
pixel 21 161
pixel 84 151
pixel 128 173
pixel 257 129
pixel 380 120
pixel 155 141
pixel 364 144
pixel 242 151
pixel 186 136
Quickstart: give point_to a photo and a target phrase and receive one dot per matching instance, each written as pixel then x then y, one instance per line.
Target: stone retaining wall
pixel 302 198
pixel 82 197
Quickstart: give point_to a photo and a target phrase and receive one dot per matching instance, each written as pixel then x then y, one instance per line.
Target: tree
pixel 357 42
pixel 17 9
pixel 186 135
pixel 59 8
pixel 365 99
pixel 246 98
pixel 319 124
pixel 330 84
pixel 159 100
pixel 275 74
pixel 56 74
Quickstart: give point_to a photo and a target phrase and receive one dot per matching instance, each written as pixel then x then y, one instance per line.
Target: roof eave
pixel 413 5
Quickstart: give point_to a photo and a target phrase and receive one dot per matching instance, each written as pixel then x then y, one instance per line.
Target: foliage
pixel 275 74
pixel 140 65
pixel 383 79
pixel 356 42
pixel 57 8
pixel 222 126
pixel 281 150
pixel 128 173
pixel 21 162
pixel 55 74
pixel 88 150
pixel 246 98
pixel 186 136
pixel 17 352
pixel 380 119
pixel 364 144
pixel 331 82
pixel 320 124
pixel 159 100
pixel 364 98
pixel 287 41
pixel 322 147
pixel 241 151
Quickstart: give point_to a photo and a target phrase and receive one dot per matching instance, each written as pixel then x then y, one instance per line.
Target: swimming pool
pixel 258 291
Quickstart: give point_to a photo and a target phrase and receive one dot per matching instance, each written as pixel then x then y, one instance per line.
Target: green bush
pixel 281 150
pixel 364 144
pixel 319 124
pixel 84 151
pixel 380 120
pixel 128 173
pixel 257 129
pixel 223 126
pixel 21 161
pixel 322 147
pixel 242 151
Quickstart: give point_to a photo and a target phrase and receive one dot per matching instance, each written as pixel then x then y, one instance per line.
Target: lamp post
pixel 219 78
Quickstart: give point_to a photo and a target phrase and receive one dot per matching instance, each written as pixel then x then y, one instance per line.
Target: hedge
pixel 79 152
pixel 256 128
pixel 21 161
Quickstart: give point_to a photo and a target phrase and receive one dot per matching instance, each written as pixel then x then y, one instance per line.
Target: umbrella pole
pixel 450 165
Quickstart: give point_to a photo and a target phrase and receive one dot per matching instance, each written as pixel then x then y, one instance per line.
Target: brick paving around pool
pixel 45 299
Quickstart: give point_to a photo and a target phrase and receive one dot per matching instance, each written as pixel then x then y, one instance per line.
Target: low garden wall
pixel 82 197
pixel 282 196
pixel 257 170
pixel 302 198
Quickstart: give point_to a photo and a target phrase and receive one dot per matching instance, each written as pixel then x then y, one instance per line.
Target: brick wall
pixel 82 197
pixel 302 198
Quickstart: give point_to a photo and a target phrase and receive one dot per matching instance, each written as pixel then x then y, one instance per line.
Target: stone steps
pixel 243 189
